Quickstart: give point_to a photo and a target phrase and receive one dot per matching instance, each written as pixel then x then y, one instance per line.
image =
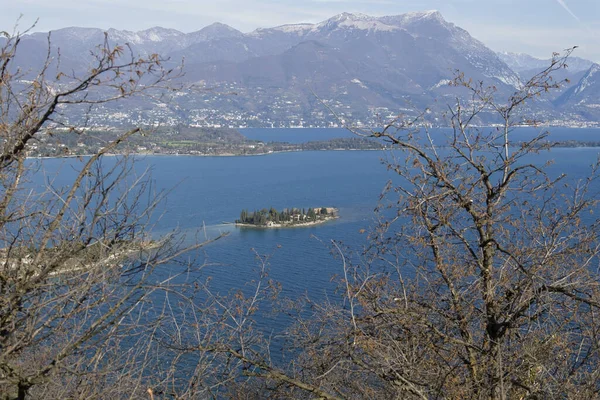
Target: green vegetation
pixel 287 217
pixel 61 142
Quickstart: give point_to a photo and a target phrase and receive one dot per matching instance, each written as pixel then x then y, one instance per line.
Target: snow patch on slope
pixel 586 81
pixel 414 16
pixel 359 83
pixel 355 21
pixel 443 82
pixel 155 35
pixel 294 28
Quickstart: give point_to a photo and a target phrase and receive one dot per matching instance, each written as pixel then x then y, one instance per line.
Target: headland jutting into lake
pixel 231 142
pixel 287 218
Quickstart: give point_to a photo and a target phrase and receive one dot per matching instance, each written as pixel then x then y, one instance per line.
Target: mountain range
pixel 353 67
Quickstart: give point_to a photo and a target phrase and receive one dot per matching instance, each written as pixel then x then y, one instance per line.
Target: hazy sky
pixel 537 27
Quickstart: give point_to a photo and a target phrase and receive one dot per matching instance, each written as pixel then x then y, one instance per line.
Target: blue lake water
pixel 208 191
pixel 295 135
pixel 316 134
pixel 214 190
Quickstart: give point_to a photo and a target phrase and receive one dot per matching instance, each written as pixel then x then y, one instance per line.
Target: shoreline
pixel 296 147
pixel 246 155
pixel 194 155
pixel 270 225
pixel 286 226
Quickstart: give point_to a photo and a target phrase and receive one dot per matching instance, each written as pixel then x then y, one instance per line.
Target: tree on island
pixel 289 215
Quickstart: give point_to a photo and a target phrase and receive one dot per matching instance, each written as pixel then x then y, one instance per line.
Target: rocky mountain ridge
pixel 351 67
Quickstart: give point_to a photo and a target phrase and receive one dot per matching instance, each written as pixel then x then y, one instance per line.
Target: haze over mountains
pixel 358 67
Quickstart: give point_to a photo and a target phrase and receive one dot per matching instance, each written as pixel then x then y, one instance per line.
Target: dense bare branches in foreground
pixel 78 284
pixel 480 282
pixel 492 289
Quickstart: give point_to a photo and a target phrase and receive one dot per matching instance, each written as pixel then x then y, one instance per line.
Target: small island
pixel 287 218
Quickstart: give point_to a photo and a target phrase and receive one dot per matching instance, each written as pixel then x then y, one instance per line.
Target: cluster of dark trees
pixel 479 280
pixel 287 215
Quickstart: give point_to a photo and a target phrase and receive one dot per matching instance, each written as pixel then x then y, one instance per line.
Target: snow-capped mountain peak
pixel 363 57
pixel 430 14
pixel 412 18
pixel 354 21
pixel 420 23
pixel 154 35
pixel 75 34
pixel 294 28
pixel 344 20
pixel 349 16
pixel 158 34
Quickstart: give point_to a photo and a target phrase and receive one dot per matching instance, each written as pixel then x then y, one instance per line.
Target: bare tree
pixel 80 300
pixel 496 285
pixel 481 279
pixel 494 288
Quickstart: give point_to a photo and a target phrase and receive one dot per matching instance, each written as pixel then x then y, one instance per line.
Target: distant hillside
pixel 352 67
pixel 521 62
pixel 583 98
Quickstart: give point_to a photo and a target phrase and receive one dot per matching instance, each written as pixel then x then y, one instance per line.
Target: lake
pixel 213 190
pixel 207 192
pixel 314 134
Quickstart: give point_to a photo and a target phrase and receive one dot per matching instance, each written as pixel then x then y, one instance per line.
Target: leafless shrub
pixel 481 279
pixel 79 298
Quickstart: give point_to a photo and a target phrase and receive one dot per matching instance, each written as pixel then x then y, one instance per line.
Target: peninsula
pixel 181 140
pixel 287 218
